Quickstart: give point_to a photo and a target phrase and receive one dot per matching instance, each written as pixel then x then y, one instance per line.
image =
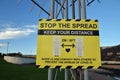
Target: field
pixel 10 71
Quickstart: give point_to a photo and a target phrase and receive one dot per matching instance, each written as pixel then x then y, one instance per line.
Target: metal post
pixel 83 9
pixel 60 8
pixel 66 9
pixel 50 70
pixel 86 74
pixel 79 9
pixel 73 10
pixel 66 70
pixel 52 9
pixel 66 74
pixel 40 7
pixel 50 74
pixel 79 17
pixel 73 77
pixel 84 17
pixel 81 77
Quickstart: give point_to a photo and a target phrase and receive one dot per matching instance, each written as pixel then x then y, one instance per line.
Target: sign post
pixel 50 70
pixel 68 43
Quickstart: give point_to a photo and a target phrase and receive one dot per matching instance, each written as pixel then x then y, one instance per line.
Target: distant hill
pixel 110 53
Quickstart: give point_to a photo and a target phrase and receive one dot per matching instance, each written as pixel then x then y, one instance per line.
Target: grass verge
pixel 10 71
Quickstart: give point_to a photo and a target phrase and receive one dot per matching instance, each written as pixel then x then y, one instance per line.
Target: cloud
pixel 16 32
pixel 31 26
pixel 1 45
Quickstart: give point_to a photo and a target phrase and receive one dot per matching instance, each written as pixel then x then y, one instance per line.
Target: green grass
pixel 10 71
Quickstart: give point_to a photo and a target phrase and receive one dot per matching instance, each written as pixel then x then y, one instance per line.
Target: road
pixel 99 74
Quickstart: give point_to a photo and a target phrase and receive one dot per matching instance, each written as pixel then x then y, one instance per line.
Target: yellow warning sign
pixel 68 43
